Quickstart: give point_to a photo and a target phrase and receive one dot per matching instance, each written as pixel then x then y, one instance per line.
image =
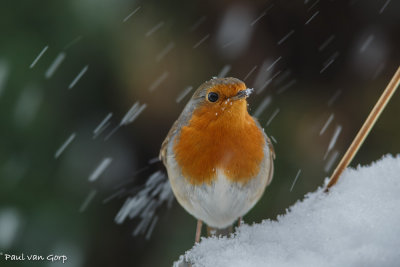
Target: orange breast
pixel 229 140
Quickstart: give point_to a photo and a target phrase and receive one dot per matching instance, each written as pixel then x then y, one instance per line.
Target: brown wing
pixel 163 152
pixel 271 159
pixel 271 149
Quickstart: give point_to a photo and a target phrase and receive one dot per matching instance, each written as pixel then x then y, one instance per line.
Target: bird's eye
pixel 213 97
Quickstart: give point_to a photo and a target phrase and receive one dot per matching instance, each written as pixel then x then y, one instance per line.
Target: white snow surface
pixel 356 224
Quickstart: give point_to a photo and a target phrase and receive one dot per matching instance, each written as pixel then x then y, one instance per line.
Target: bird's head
pixel 220 97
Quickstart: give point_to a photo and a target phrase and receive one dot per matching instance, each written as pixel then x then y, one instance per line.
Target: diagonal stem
pixel 365 129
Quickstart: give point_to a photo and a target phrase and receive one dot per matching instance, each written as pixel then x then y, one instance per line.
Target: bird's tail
pixel 211 231
pixel 219 232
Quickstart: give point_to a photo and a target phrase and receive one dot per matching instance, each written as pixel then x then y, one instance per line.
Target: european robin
pixel 218 158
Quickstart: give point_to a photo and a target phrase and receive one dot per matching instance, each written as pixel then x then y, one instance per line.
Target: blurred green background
pixel 316 58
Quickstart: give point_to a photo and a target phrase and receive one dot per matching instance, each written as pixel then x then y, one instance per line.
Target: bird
pixel 218 158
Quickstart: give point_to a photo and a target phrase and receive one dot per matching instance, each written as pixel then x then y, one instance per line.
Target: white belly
pixel 222 202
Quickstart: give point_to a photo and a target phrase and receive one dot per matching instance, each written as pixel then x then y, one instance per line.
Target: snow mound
pixel 356 224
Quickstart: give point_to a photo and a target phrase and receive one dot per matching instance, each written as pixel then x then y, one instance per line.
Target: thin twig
pixel 365 129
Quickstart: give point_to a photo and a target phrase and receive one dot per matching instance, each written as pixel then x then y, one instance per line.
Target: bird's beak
pixel 242 94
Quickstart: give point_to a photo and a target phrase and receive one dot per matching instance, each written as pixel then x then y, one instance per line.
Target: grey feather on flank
pixel 182 120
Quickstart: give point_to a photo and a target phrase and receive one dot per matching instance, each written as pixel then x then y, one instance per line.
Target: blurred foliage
pixel 44 194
